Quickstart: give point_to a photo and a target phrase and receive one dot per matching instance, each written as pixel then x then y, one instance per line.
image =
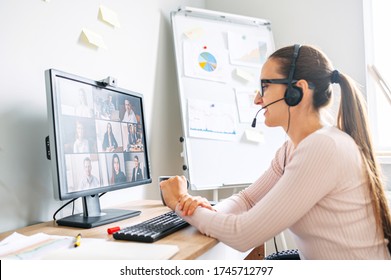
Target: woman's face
pixel 276 114
pixel 109 127
pixel 79 130
pixel 116 165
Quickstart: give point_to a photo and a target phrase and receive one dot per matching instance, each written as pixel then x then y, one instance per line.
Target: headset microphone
pixel 254 123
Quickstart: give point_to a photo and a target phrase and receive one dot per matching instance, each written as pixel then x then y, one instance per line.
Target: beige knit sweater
pixel 321 196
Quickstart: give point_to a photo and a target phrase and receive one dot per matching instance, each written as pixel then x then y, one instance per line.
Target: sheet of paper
pixel 100 249
pixel 213 120
pixel 246 107
pixel 205 61
pixel 246 50
pixel 44 246
pixel 93 39
pixel 108 16
pixel 21 247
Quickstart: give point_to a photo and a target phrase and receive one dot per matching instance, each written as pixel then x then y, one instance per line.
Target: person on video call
pixel 82 109
pixel 108 107
pixel 109 143
pixel 132 136
pixel 89 181
pixel 129 115
pixel 137 173
pixel 324 183
pixel 81 143
pixel 117 176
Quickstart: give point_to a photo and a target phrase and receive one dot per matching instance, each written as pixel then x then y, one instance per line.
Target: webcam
pixel 109 81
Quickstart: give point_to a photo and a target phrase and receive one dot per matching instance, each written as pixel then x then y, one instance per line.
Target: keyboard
pixel 152 229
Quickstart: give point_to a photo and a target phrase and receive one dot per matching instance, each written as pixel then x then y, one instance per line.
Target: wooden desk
pixel 190 241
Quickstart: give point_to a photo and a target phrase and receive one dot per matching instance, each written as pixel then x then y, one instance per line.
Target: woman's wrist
pixel 173 203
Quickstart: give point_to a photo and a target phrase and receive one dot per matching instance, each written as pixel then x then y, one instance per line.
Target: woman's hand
pixel 173 189
pixel 188 204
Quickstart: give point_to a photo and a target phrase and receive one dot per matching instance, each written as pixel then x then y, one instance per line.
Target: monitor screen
pixel 96 144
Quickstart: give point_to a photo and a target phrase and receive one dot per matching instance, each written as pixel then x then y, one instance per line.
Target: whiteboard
pixel 219 58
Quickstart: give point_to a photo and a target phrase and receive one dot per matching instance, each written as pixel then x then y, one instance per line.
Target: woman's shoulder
pixel 332 133
pixel 329 137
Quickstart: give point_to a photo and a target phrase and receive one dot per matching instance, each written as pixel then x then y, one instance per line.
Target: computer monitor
pixel 97 144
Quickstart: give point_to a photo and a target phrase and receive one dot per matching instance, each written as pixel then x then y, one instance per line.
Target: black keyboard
pixel 153 229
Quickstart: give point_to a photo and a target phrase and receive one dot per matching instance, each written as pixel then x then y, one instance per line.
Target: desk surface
pixel 190 241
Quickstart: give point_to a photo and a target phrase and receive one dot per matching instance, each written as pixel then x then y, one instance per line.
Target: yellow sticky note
pixel 194 33
pixel 109 16
pixel 93 38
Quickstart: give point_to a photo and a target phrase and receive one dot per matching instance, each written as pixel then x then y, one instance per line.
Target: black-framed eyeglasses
pixel 274 81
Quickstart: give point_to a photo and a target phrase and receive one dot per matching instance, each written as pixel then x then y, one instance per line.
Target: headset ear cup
pixel 293 95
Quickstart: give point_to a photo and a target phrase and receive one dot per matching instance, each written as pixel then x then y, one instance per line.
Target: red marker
pixel 112 230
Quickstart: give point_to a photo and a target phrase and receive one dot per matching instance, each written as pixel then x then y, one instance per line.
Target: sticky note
pixel 108 16
pixel 254 135
pixel 93 39
pixel 194 33
pixel 244 75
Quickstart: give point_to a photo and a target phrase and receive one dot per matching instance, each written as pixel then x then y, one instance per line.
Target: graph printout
pixel 208 119
pixel 246 50
pixel 205 61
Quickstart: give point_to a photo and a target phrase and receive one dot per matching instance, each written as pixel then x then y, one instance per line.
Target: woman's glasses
pixel 265 82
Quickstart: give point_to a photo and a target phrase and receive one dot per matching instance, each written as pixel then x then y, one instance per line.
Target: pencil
pixel 77 240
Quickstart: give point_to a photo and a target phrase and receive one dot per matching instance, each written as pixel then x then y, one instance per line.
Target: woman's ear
pixel 303 84
pixel 306 90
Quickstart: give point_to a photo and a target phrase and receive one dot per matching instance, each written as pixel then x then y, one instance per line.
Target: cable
pixel 73 206
pixel 275 244
pixel 286 134
pixel 283 167
pixel 59 209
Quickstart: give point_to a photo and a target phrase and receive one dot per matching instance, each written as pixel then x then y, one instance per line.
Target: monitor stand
pixel 93 216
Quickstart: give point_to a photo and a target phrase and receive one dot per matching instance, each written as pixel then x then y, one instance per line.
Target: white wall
pixel 37 35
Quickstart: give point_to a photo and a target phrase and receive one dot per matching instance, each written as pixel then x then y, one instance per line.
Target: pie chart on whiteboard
pixel 207 61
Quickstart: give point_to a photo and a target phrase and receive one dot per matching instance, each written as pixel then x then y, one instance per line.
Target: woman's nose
pixel 258 98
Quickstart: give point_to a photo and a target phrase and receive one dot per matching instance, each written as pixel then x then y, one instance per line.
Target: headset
pixel 293 93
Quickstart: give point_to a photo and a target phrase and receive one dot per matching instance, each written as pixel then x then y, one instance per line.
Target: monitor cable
pixel 73 206
pixel 62 207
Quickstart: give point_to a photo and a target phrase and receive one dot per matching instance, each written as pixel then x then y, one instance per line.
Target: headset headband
pixel 293 64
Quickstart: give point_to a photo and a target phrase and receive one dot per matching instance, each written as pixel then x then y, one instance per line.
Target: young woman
pixel 117 176
pixel 109 142
pixel 324 183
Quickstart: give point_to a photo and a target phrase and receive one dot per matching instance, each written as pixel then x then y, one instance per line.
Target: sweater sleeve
pixel 309 176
